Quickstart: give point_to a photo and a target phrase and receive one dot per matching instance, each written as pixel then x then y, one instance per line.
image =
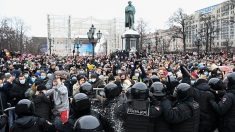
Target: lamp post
pixel 50 45
pixel 91 38
pixel 198 44
pixel 77 45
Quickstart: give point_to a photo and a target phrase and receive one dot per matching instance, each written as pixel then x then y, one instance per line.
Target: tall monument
pixel 130 38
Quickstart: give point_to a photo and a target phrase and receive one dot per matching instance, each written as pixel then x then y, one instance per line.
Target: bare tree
pixel 142 30
pixel 157 39
pixel 12 34
pixel 178 22
pixel 208 29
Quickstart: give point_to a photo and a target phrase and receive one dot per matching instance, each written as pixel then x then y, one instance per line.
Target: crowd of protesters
pixel 58 93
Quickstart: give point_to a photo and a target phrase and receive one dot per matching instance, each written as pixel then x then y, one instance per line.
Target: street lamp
pixel 50 45
pixel 77 45
pixel 198 44
pixel 91 38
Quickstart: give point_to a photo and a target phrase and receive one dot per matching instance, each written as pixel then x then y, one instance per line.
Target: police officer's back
pixel 26 122
pixel 203 95
pixel 158 91
pixel 185 113
pixel 136 113
pixel 112 92
pixel 226 106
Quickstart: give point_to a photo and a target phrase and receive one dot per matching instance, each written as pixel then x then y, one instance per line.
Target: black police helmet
pixel 154 78
pixel 24 107
pixel 88 123
pixel 231 80
pixel 172 80
pixel 215 84
pixel 111 90
pixel 139 91
pixel 81 102
pixel 86 88
pixel 182 91
pixel 199 81
pixel 158 89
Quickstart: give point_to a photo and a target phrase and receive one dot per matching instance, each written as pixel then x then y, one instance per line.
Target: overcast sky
pixel 154 12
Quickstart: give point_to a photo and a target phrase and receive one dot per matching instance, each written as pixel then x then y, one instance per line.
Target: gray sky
pixel 154 12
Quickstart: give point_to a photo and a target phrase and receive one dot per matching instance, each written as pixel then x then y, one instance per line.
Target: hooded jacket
pixel 29 124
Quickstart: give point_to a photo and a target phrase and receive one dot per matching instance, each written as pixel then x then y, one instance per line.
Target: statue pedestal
pixel 130 40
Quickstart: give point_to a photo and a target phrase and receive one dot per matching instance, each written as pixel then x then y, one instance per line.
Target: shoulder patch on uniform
pixel 223 100
pixel 157 108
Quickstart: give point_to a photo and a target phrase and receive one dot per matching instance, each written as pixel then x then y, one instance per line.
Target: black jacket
pixel 184 115
pixel 42 106
pixel 160 124
pixel 208 119
pixel 137 116
pixel 18 92
pixel 226 109
pixel 29 124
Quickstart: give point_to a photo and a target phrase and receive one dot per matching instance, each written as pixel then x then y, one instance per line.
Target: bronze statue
pixel 130 15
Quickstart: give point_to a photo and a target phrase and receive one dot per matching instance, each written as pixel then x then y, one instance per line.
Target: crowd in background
pixel 54 84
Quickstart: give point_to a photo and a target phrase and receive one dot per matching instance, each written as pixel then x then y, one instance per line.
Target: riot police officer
pixel 112 93
pixel 217 88
pixel 185 113
pixel 88 123
pixel 158 91
pixel 81 105
pixel 137 110
pixel 26 121
pixel 87 89
pixel 226 106
pixel 203 95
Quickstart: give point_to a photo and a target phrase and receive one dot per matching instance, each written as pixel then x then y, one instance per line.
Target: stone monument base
pixel 130 40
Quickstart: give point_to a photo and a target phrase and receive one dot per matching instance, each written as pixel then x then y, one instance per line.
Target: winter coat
pixel 60 98
pixel 18 92
pixel 29 124
pixel 42 106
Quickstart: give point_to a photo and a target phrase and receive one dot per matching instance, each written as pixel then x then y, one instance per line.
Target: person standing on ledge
pixel 130 16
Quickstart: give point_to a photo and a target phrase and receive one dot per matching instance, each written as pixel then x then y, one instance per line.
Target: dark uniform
pixel 112 92
pixel 185 113
pixel 81 106
pixel 26 122
pixel 202 95
pixel 158 91
pixel 226 107
pixel 137 114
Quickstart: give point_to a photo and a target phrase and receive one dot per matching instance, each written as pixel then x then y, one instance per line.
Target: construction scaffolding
pixel 62 31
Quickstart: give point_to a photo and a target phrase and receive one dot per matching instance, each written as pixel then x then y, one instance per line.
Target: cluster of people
pixel 117 93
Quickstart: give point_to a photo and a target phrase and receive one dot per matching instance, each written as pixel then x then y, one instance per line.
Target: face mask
pixel 33 79
pixel 92 80
pixel 22 81
pixel 26 75
pixel 43 77
pixel 49 74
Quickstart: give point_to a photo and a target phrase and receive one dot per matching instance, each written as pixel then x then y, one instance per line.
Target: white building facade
pixel 215 26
